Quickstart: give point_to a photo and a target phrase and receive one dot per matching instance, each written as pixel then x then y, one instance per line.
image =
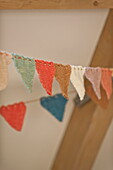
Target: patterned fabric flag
pixel 77 79
pixel 103 102
pixel 4 61
pixel 26 67
pixel 46 71
pixel 106 80
pixel 55 105
pixel 14 114
pixel 94 76
pixel 62 75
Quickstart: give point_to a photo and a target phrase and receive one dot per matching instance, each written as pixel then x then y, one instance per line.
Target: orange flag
pixel 106 81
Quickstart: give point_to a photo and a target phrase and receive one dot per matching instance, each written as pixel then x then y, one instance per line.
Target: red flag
pixel 46 71
pixel 14 114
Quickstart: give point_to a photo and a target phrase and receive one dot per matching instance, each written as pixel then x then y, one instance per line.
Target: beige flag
pixel 5 59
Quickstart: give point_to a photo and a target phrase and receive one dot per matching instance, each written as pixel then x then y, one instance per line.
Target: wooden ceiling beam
pixel 89 124
pixel 55 4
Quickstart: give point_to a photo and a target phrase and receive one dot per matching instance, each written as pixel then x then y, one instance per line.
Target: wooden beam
pixel 55 4
pixel 88 124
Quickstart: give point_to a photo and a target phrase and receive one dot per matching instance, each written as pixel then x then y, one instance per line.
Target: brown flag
pixel 103 102
pixel 62 75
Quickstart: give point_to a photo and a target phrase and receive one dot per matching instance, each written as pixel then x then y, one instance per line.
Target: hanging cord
pixel 38 99
pixel 26 57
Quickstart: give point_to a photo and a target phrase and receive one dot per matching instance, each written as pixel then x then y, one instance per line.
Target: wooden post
pixel 88 124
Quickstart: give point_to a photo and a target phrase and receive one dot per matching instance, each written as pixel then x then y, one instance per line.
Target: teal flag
pixel 26 67
pixel 55 105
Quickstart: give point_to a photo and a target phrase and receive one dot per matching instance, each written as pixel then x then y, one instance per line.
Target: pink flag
pixel 94 76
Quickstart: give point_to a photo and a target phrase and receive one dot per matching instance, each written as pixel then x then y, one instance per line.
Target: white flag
pixel 77 79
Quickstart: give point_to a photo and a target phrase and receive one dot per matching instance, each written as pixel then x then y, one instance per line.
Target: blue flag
pixel 55 105
pixel 26 67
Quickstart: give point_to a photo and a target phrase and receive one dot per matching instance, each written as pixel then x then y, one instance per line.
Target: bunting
pixel 77 79
pixel 55 105
pixel 26 67
pixel 99 90
pixel 46 71
pixel 63 73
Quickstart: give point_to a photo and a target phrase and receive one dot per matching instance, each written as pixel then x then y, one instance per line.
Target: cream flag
pixel 5 59
pixel 77 79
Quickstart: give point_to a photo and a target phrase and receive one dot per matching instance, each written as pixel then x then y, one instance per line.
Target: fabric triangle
pixel 46 71
pixel 103 102
pixel 55 105
pixel 106 81
pixel 14 114
pixel 94 76
pixel 62 75
pixel 26 67
pixel 4 61
pixel 77 79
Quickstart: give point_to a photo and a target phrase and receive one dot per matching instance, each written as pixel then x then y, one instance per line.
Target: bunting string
pixel 38 99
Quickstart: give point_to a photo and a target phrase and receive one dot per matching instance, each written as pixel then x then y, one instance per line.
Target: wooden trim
pixel 88 124
pixel 55 4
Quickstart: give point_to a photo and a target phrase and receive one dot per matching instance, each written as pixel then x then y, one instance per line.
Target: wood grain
pixel 88 124
pixel 55 4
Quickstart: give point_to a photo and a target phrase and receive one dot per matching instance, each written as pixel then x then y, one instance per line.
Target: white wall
pixel 64 36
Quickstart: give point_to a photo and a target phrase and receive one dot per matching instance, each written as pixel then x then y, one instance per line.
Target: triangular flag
pixel 46 71
pixel 14 114
pixel 55 105
pixel 4 61
pixel 94 76
pixel 103 102
pixel 26 67
pixel 106 81
pixel 62 75
pixel 77 79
